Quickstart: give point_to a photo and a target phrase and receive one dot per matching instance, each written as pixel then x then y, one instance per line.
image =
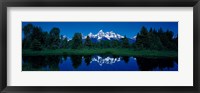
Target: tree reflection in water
pixel 34 63
pixel 51 63
pixel 125 58
pixel 76 60
pixel 88 59
pixel 149 64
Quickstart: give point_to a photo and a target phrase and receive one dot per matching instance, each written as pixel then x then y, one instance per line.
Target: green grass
pixel 113 51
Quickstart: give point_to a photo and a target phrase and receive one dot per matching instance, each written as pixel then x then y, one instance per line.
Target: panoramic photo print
pixel 99 46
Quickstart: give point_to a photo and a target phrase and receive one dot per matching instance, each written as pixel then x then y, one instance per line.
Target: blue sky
pixel 129 29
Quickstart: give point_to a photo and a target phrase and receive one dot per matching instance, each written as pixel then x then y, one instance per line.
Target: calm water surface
pixel 97 63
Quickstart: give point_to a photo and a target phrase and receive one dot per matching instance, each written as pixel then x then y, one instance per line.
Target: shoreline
pixel 109 51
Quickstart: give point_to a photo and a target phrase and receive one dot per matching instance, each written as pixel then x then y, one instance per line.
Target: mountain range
pixel 109 60
pixel 107 36
pixel 101 35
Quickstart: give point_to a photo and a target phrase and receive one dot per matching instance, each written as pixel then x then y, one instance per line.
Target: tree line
pixel 38 62
pixel 156 39
pixel 37 39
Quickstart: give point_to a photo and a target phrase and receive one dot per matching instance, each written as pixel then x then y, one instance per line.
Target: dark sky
pixel 129 29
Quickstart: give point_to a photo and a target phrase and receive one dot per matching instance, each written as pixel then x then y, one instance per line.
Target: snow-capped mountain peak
pixel 134 37
pixel 108 35
pixel 101 31
pixel 100 34
pixel 90 34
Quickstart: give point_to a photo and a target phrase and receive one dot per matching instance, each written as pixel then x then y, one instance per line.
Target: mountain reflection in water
pixel 97 63
pixel 107 60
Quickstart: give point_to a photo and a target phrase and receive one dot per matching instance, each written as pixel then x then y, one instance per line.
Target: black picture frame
pixel 100 3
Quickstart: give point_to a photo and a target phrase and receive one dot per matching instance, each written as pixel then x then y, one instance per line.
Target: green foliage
pixel 88 42
pixel 63 42
pixel 154 40
pixel 115 44
pixel 105 44
pixel 77 41
pixel 36 45
pixel 176 43
pixel 125 43
pixel 26 43
pixel 69 44
pixel 34 35
pixel 142 39
pixel 112 51
pixel 27 30
pixel 45 40
pixel 33 38
pixel 37 33
pixel 54 38
pixel 37 39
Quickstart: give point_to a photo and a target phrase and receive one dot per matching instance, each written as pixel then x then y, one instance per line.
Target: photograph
pixel 99 46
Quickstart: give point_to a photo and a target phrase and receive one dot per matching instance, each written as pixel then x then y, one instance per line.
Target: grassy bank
pixel 120 52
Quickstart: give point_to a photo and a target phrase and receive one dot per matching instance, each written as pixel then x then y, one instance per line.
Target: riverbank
pixel 112 51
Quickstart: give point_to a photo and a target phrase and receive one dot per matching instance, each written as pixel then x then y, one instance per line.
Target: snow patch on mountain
pixel 134 37
pixel 107 60
pixel 108 35
pixel 62 37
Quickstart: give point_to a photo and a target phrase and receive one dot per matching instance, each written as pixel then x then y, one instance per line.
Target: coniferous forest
pixel 35 39
pixel 148 43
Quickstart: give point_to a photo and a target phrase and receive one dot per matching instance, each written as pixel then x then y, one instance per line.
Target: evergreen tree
pixel 69 44
pixel 45 39
pixel 35 39
pixel 37 34
pixel 125 42
pixel 54 38
pixel 32 33
pixel 88 42
pixel 176 43
pixel 106 43
pixel 154 42
pixel 36 45
pixel 77 41
pixel 142 39
pixel 63 42
pixel 27 30
pixel 115 43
